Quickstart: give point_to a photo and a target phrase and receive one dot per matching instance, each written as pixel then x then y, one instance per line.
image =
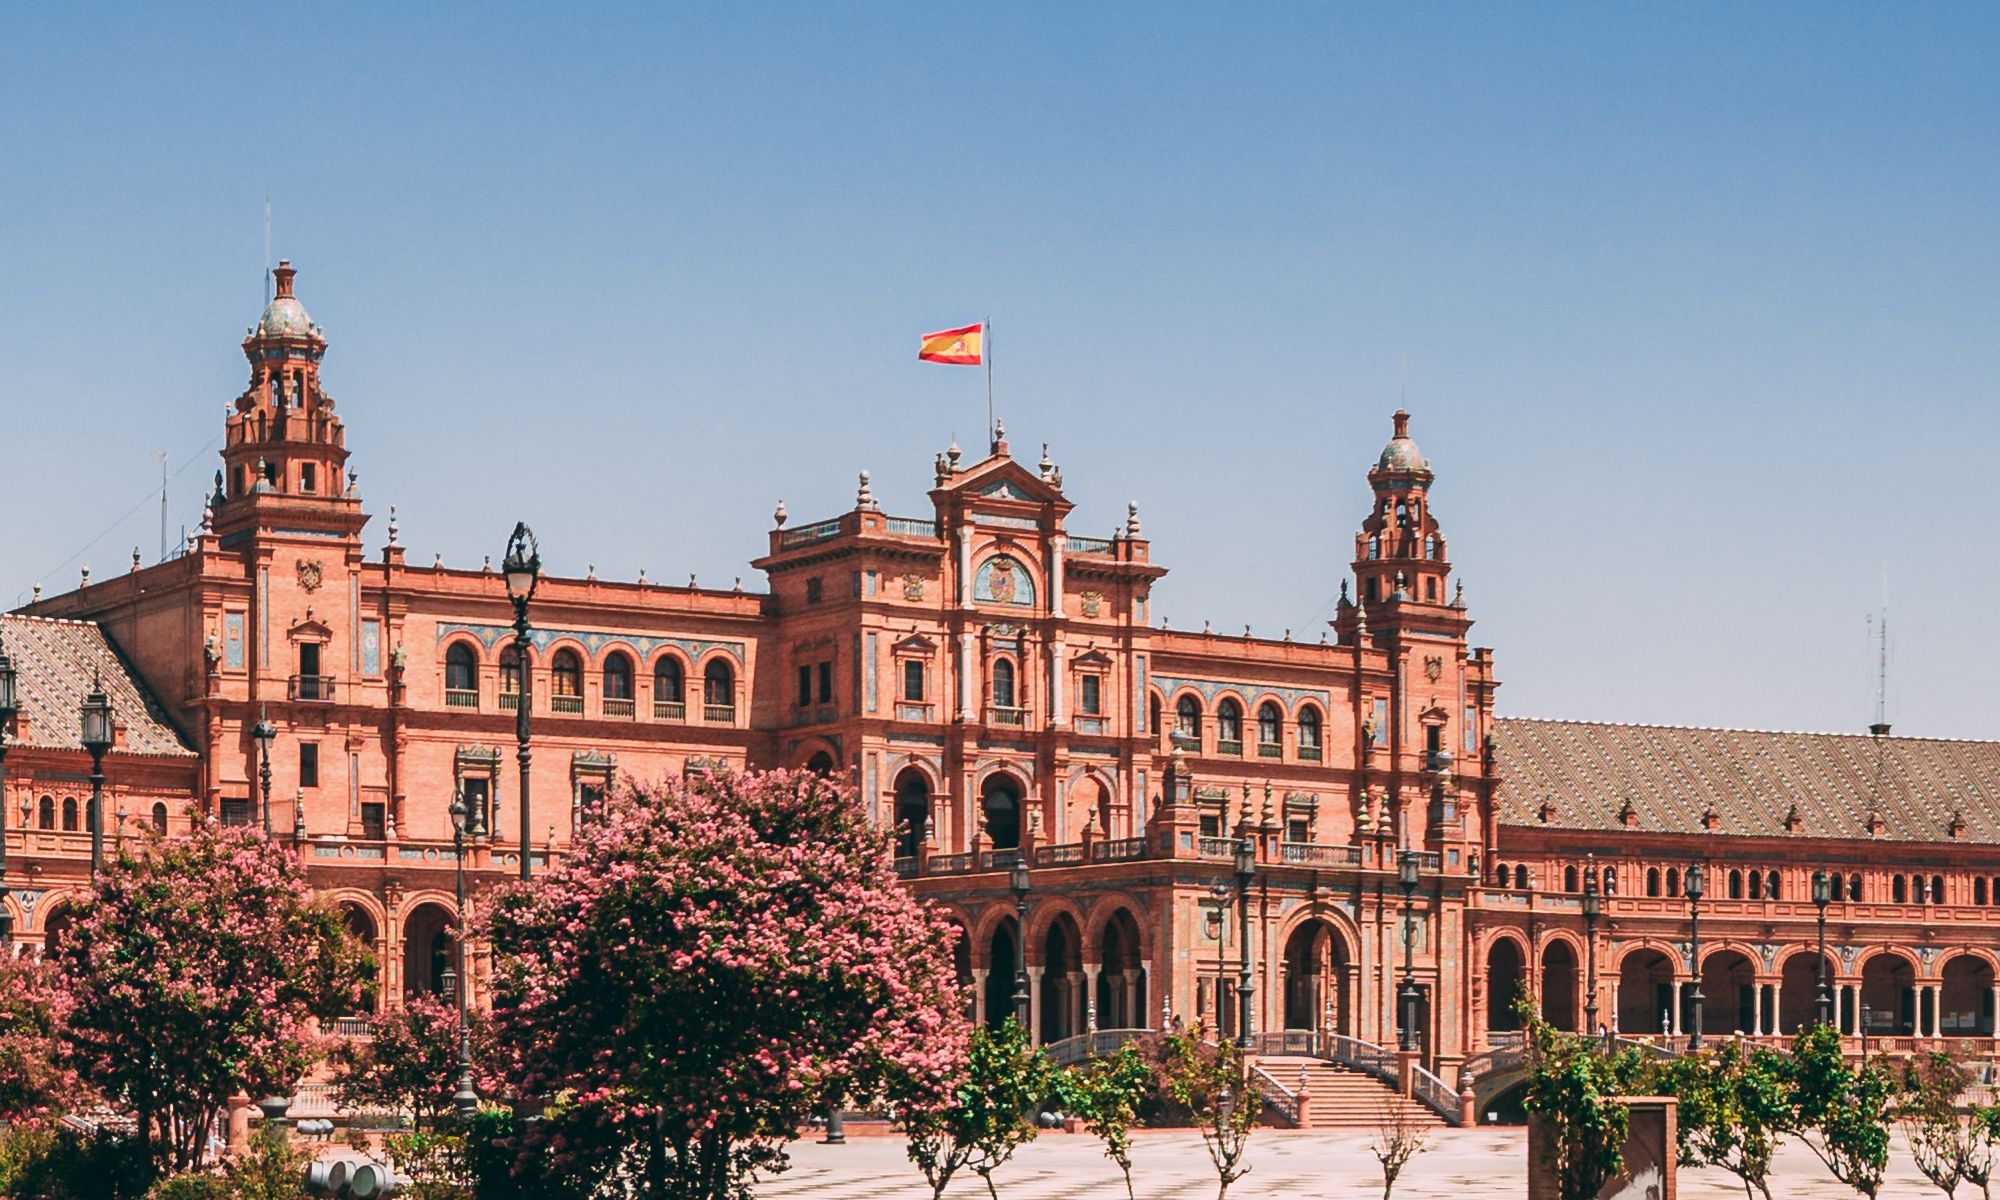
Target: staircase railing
pixel 1084 1046
pixel 1436 1095
pixel 1276 1094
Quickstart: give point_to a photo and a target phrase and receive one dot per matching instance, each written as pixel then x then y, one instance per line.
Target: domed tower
pixel 1399 555
pixel 284 449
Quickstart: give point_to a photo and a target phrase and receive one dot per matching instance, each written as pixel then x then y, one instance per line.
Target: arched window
pixel 1771 886
pixel 1229 727
pixel 1270 728
pixel 159 817
pixel 1003 683
pixel 1309 732
pixel 1937 889
pixel 669 683
pixel 1569 879
pixel 618 676
pixel 1736 885
pixel 566 673
pixel 1756 885
pixel 1652 881
pixel 1521 877
pixel 718 690
pixel 510 671
pixel 1979 890
pixel 69 814
pixel 1899 890
pixel 1854 886
pixel 48 812
pixel 461 676
pixel 1187 722
pixel 1611 881
pixel 1500 875
pixel 1673 881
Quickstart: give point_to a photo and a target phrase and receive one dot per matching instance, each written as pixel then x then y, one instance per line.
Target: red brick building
pixel 1000 690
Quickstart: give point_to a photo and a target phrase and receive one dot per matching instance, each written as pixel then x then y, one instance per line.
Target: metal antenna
pixel 161 456
pixel 267 249
pixel 1881 725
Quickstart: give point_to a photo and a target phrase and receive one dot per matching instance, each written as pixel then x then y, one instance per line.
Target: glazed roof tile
pixel 55 663
pixel 1752 780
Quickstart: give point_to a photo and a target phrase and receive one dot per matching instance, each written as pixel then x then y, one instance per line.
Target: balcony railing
pixel 906 868
pixel 1066 855
pixel 460 698
pixel 510 701
pixel 1312 855
pixel 950 864
pixel 1118 850
pixel 1216 847
pixel 310 687
pixel 1000 714
pixel 570 705
pixel 999 860
pixel 354 1027
pixel 1308 753
pixel 670 710
pixel 1232 749
pixel 617 708
pixel 1270 750
pixel 1089 545
pixel 719 714
pixel 815 532
pixel 910 527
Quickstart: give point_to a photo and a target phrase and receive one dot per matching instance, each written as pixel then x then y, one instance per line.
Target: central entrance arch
pixel 1317 991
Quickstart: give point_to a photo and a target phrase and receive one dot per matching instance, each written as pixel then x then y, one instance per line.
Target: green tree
pixel 1572 1085
pixel 1213 1082
pixel 1733 1107
pixel 985 1110
pixel 1841 1113
pixel 1949 1149
pixel 1106 1095
pixel 411 1064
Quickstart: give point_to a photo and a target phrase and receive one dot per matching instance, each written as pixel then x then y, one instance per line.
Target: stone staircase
pixel 1340 1097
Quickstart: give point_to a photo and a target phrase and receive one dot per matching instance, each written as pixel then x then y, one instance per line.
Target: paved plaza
pixel 1171 1165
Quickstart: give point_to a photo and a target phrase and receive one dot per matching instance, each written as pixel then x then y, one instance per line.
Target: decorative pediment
pixel 311 629
pixel 914 644
pixel 1093 658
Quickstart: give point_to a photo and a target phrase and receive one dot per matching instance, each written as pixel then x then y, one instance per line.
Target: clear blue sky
pixel 1698 303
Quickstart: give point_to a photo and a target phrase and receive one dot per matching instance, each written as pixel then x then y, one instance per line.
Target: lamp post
pixel 523 569
pixel 1866 1012
pixel 1823 896
pixel 466 1098
pixel 1018 878
pixel 1692 885
pixel 96 714
pixel 265 733
pixel 10 704
pixel 1246 870
pixel 1593 907
pixel 1406 878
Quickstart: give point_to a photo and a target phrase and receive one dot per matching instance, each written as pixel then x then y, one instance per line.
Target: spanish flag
pixel 960 347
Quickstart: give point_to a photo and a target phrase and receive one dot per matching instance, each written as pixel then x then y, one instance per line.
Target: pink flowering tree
pixel 195 971
pixel 36 1082
pixel 412 1063
pixel 716 960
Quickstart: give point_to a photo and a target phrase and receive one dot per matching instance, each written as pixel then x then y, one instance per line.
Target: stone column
pixel 979 995
pixel 1034 1006
pixel 1091 973
pixel 965 673
pixel 1756 1009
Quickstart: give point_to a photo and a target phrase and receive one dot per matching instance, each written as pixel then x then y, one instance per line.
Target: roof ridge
pixel 1865 737
pixel 21 616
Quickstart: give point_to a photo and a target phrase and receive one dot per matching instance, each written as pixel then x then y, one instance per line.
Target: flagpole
pixel 986 353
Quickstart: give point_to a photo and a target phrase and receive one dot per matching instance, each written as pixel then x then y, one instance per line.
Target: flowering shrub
pixel 412 1062
pixel 716 958
pixel 194 970
pixel 36 1082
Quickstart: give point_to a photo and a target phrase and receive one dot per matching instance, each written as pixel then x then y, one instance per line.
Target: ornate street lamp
pixel 1823 896
pixel 265 733
pixel 1593 907
pixel 97 737
pixel 10 704
pixel 1246 870
pixel 1018 878
pixel 523 569
pixel 1691 885
pixel 466 1098
pixel 1406 878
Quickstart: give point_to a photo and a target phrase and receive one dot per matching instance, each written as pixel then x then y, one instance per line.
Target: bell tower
pixel 284 450
pixel 1399 555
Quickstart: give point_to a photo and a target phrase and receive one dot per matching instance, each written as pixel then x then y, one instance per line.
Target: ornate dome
pixel 285 316
pixel 1401 454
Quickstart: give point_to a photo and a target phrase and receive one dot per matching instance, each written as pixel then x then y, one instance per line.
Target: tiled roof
pixel 56 662
pixel 1752 781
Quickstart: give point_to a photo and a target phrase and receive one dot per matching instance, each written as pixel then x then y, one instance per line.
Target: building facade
pixel 1213 826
